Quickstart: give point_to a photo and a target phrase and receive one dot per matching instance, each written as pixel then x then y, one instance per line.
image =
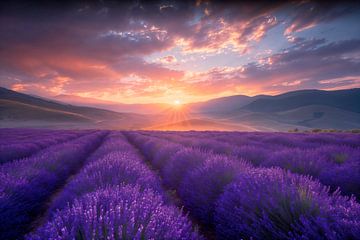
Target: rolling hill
pixel 305 109
pixel 343 99
pixel 153 108
pixel 320 116
pixel 88 112
pixel 18 109
pixel 12 111
pixel 223 105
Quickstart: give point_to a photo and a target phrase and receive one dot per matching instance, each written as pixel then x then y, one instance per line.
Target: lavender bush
pixel 236 185
pixel 28 183
pixel 113 169
pixel 180 163
pixel 274 204
pixel 12 148
pixel 307 162
pixel 326 156
pixel 114 197
pixel 202 186
pixel 164 153
pixel 117 213
pixel 336 166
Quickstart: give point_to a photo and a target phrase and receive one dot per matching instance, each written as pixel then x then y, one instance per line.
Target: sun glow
pixel 177 102
pixel 177 114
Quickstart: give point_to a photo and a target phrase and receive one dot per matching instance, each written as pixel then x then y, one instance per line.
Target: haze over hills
pixel 305 109
pixel 202 124
pixel 13 110
pixel 22 110
pixel 343 99
pixel 153 108
pixel 223 104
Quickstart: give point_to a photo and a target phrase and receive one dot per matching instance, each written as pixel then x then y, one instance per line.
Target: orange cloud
pixel 168 59
pixel 100 51
pixel 216 35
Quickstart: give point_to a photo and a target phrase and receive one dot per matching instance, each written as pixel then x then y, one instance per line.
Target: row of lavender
pixel 28 183
pixel 114 196
pixel 334 159
pixel 20 143
pixel 234 199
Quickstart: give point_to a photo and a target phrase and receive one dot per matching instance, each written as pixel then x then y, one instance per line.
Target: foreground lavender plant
pixel 114 142
pixel 116 195
pixel 332 158
pixel 28 183
pixel 180 163
pixel 15 147
pixel 115 168
pixel 117 213
pixel 274 204
pixel 203 185
pixel 336 166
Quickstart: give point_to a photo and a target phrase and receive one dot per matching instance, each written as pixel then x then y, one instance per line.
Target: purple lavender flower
pixel 163 154
pixel 275 204
pixel 113 169
pixel 303 161
pixel 117 213
pixel 180 163
pixel 202 186
pixel 31 181
pixel 253 154
pixel 16 147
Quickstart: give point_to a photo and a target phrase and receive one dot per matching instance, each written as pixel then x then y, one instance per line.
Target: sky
pixel 177 51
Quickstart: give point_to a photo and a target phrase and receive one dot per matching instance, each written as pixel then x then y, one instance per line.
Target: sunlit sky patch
pixel 139 52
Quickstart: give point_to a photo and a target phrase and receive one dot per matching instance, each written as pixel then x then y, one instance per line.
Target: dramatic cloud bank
pixel 150 52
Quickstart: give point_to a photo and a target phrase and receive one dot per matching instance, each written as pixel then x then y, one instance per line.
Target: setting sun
pixel 177 102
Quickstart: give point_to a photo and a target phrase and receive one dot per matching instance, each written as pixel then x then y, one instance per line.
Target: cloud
pixel 168 59
pixel 90 43
pixel 233 26
pixel 99 48
pixel 308 14
pixel 215 35
pixel 307 64
pixel 93 50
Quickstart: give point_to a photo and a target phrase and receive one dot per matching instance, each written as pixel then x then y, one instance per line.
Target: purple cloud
pixel 89 47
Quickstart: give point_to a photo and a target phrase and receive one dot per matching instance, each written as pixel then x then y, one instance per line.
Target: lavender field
pixel 100 184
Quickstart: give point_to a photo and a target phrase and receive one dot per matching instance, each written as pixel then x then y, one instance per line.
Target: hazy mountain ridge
pixel 344 99
pixel 221 105
pixel 299 109
pixel 13 110
pixel 151 108
pixel 321 116
pixel 90 112
pixel 338 109
pixel 18 109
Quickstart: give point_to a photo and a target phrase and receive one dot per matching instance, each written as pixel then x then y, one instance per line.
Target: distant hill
pixel 338 109
pixel 343 99
pixel 88 112
pixel 320 116
pixel 12 110
pixel 305 109
pixel 18 109
pixel 152 108
pixel 224 104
